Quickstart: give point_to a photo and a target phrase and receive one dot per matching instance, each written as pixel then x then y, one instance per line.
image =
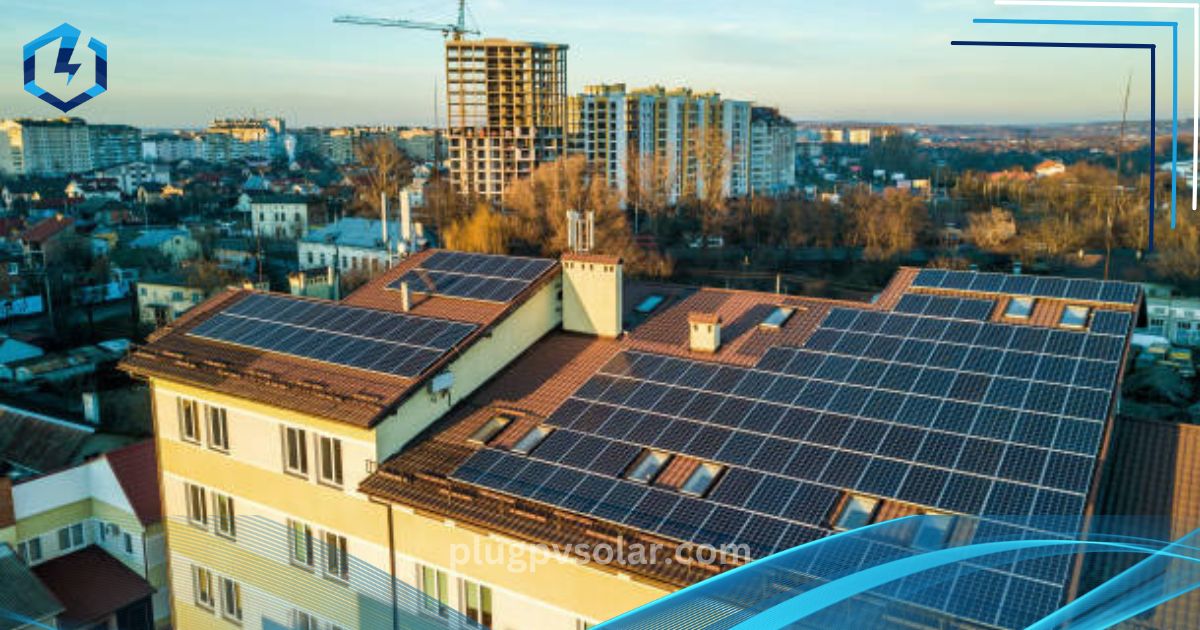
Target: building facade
pixel 279 216
pixel 112 145
pixel 506 106
pixel 59 146
pixel 772 152
pixel 598 129
pixel 350 244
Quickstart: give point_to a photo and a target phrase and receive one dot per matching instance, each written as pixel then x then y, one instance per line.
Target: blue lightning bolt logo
pixel 69 36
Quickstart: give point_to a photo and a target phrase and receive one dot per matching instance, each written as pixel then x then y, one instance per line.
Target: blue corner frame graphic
pixel 70 37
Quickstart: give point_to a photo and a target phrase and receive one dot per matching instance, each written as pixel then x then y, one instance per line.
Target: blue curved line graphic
pixel 824 596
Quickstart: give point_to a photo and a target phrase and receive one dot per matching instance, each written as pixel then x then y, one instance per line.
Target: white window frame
pixel 202 588
pixel 26 548
pixel 437 602
pixel 853 505
pixel 231 600
pixel 189 416
pixel 217 419
pixel 295 440
pixel 299 528
pixel 484 614
pixel 224 516
pixel 74 536
pixel 337 557
pixel 197 504
pixel 304 621
pixel 329 461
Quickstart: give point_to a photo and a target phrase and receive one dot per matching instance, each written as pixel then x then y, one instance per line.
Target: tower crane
pixel 456 30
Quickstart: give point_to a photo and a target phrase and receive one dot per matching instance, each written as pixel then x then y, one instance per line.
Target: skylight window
pixel 857 511
pixel 648 466
pixel 1019 308
pixel 649 304
pixel 531 440
pixel 778 318
pixel 1075 317
pixel 934 531
pixel 490 429
pixel 701 480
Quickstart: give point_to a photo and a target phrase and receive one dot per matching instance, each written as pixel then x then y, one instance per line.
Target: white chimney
pixel 405 297
pixel 91 408
pixel 406 229
pixel 383 218
pixel 704 332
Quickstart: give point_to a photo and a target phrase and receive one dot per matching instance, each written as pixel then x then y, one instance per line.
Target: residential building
pixel 226 140
pixel 351 244
pixel 599 130
pixel 154 193
pixel 1172 316
pixel 133 175
pixel 240 426
pixel 175 244
pixel 163 298
pixel 1050 168
pixel 279 216
pixel 506 106
pixel 173 147
pixel 41 241
pixel 112 145
pixel 579 409
pixel 59 146
pixel 83 516
pixel 772 152
pixel 735 129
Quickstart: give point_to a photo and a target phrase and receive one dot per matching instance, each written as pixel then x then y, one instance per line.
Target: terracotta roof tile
pixel 136 469
pixel 91 585
pixel 46 229
pixel 677 471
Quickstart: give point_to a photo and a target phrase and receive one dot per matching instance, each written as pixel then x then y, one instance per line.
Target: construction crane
pixel 458 29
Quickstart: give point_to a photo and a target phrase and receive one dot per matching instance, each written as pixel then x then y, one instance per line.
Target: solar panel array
pixel 474 276
pixel 957 415
pixel 1035 286
pixel 939 306
pixel 378 341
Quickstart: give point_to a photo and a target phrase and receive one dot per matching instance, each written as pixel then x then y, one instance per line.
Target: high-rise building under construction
pixel 507 111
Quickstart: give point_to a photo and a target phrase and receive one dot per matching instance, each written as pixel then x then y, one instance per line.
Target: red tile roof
pixel 91 585
pixel 47 229
pixel 599 259
pixel 136 469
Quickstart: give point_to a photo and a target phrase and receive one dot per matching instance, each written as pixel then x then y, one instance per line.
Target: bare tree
pixel 387 171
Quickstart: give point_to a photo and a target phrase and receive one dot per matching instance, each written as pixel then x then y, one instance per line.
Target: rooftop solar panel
pixel 484 277
pixel 388 343
pixel 1037 286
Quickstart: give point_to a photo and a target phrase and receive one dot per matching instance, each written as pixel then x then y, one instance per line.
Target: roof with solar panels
pixel 953 392
pixel 352 360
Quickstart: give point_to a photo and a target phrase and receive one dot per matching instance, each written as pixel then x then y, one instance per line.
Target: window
pixel 203 580
pixel 189 429
pixel 856 512
pixel 331 460
pixel 304 621
pixel 490 429
pixel 127 539
pixel 223 508
pixel 934 530
pixel 1019 308
pixel 701 480
pixel 197 505
pixel 777 318
pixel 477 603
pixel 231 599
pixel 300 541
pixel 30 550
pixel 647 466
pixel 295 447
pixel 337 562
pixel 1074 316
pixel 70 537
pixel 525 445
pixel 648 305
pixel 218 429
pixel 432 583
pixel 100 533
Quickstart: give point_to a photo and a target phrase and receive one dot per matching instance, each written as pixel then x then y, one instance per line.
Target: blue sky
pixel 174 63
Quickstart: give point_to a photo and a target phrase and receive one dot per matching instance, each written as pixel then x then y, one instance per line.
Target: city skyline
pixel 838 64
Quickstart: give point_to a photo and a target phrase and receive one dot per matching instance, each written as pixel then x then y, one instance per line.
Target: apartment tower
pixel 507 111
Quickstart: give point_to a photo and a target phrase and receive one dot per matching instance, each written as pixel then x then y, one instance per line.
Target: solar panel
pixel 388 343
pixel 473 276
pixel 1036 286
